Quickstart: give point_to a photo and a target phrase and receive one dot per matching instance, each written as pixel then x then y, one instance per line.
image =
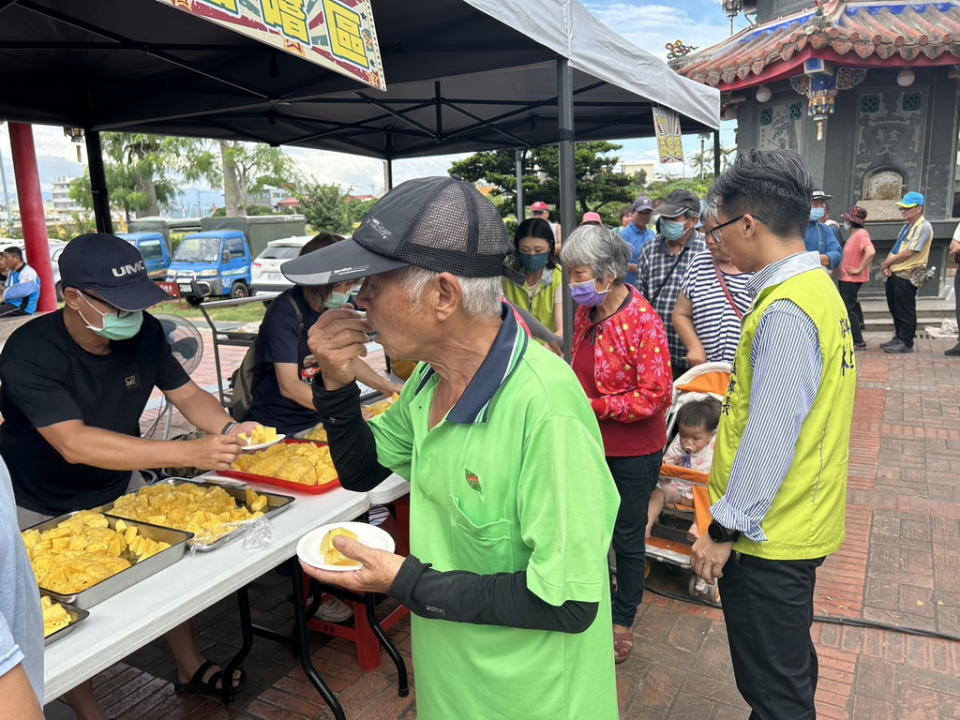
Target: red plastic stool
pixel 361 634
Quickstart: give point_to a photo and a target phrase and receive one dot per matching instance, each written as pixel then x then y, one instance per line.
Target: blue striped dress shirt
pixel 787 369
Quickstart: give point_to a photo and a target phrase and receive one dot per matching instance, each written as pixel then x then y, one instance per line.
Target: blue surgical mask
pixel 533 262
pixel 336 300
pixel 671 229
pixel 113 326
pixel 816 214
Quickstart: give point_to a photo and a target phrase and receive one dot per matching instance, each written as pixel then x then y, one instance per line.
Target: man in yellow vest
pixel 778 485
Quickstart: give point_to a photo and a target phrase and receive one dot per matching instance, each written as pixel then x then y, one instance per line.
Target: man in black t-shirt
pixel 74 384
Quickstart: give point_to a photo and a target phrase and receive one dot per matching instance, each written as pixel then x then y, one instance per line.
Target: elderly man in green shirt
pixel 512 505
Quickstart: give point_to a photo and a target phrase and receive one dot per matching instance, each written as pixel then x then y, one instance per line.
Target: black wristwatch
pixel 719 534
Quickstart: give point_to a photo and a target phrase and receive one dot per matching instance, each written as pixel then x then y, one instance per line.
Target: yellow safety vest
pixel 542 304
pixel 806 519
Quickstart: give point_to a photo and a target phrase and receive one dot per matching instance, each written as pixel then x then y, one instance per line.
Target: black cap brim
pixel 140 295
pixel 672 211
pixel 340 262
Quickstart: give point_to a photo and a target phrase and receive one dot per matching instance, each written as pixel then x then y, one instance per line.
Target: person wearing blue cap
pixel 906 270
pixel 638 234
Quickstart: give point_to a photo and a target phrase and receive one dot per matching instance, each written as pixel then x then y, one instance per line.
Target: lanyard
pixel 726 290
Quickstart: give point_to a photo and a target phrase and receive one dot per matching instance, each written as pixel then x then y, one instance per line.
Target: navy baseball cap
pixel 437 223
pixel 110 267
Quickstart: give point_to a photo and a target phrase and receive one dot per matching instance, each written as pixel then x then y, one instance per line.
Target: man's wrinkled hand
pixel 708 558
pixel 336 340
pixel 379 569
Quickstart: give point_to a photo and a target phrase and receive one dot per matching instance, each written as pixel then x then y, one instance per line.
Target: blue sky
pixel 647 24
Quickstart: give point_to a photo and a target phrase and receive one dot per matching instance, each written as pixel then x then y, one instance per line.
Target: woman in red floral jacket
pixel 621 356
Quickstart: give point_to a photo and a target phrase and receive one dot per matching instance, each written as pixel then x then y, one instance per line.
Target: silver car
pixel 265 274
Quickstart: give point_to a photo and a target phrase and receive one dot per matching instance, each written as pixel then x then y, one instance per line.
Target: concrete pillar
pixel 31 212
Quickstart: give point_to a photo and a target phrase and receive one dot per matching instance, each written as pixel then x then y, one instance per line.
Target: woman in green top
pixel 536 284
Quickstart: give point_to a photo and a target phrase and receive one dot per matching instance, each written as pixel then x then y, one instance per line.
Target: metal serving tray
pixel 275 505
pixel 76 615
pixel 108 587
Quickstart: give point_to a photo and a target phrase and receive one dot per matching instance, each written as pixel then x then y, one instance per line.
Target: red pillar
pixel 31 211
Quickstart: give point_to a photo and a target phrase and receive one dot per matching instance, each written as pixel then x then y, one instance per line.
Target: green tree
pixel 142 171
pixel 248 168
pixel 359 209
pixel 325 207
pixel 659 190
pixel 599 187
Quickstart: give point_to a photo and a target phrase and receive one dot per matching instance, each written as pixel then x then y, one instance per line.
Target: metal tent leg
pixel 568 187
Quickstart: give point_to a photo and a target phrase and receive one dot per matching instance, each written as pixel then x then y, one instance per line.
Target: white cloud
pixel 652 25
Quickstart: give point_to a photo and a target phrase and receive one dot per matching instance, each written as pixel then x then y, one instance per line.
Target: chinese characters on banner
pixel 336 34
pixel 669 142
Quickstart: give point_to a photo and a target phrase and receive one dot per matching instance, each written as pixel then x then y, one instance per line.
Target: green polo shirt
pixel 513 478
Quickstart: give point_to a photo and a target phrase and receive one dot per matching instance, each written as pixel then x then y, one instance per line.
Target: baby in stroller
pixel 692 448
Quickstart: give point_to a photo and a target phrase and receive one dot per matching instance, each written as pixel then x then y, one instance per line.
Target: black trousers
pixel 902 302
pixel 636 477
pixel 8 310
pixel 849 291
pixel 956 293
pixel 768 608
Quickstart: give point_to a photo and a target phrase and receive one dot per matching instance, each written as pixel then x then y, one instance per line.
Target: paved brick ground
pixel 900 565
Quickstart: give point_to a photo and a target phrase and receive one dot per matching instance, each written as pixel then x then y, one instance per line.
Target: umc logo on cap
pixel 129 269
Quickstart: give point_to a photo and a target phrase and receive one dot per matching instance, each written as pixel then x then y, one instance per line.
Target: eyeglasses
pixel 714 232
pixel 119 313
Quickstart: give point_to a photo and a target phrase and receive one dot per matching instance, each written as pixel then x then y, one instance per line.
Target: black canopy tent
pixel 144 66
pixel 462 76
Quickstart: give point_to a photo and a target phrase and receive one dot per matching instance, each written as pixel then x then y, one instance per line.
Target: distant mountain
pixel 51 167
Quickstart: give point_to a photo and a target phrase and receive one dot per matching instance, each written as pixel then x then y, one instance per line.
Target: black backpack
pixel 241 381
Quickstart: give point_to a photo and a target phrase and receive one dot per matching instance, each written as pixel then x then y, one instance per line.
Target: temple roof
pixel 857 33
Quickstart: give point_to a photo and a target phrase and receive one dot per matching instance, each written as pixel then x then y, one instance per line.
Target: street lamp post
pixel 732 8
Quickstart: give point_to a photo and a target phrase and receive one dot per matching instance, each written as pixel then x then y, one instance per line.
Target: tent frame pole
pixel 518 161
pixel 568 186
pixel 98 182
pixel 716 153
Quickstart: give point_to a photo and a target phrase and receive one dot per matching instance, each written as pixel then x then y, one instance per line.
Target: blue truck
pixel 155 248
pixel 217 261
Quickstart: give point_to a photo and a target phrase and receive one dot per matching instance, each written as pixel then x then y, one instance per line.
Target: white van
pixel 266 276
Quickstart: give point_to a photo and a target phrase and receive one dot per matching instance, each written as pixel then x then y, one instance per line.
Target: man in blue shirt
pixel 22 288
pixel 638 234
pixel 820 237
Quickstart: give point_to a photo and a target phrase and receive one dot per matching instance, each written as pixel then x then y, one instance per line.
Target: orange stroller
pixel 668 542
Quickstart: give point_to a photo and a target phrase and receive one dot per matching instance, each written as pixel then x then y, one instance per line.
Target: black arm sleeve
pixel 352 445
pixel 537 329
pixel 501 599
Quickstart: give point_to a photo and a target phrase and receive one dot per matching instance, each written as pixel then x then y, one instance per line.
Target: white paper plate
pixel 308 549
pixel 261 446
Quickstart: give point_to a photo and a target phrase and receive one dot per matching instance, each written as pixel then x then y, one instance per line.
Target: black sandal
pixel 210 686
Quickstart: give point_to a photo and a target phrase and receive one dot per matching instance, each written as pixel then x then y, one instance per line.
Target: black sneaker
pixel 892 341
pixel 898 348
pixel 954 351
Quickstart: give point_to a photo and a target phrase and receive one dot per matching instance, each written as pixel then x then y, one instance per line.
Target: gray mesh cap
pixel 437 223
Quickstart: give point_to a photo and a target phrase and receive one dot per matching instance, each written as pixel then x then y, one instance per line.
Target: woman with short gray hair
pixel 621 356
